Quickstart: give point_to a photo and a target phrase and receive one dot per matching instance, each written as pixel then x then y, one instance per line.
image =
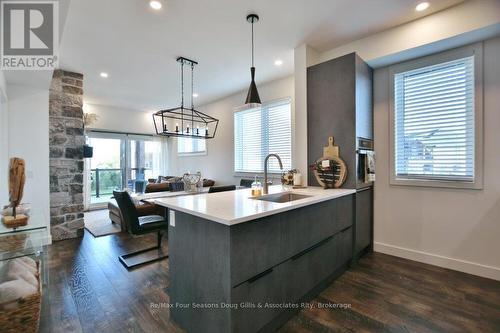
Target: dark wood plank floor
pixel 90 291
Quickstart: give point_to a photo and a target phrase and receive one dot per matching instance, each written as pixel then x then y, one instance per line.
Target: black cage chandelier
pixel 182 121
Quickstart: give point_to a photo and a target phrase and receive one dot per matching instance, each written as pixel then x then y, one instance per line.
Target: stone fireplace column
pixel 66 140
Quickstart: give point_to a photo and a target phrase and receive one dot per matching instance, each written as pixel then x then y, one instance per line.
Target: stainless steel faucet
pixel 266 187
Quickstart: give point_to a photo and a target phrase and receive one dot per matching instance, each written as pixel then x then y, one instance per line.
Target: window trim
pixel 475 50
pixel 260 174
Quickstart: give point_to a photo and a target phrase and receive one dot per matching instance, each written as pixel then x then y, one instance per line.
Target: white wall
pixel 28 128
pixel 304 56
pixel 458 229
pixel 218 163
pixel 120 119
pixel 4 143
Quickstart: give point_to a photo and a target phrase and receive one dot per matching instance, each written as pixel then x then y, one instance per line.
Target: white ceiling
pixel 138 46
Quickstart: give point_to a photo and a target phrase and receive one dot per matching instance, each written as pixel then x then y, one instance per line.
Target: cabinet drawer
pixel 309 268
pixel 364 208
pixel 267 287
pixel 344 212
pixel 255 247
pixel 307 226
pixel 304 227
pixel 344 247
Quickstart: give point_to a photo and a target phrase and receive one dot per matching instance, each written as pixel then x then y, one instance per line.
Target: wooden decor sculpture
pixel 330 170
pixel 17 179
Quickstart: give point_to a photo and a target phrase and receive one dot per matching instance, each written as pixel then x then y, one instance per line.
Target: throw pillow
pixel 28 261
pixel 15 270
pixel 161 179
pixel 27 264
pixel 13 290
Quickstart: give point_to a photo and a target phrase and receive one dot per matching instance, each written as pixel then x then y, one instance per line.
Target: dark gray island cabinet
pixel 252 276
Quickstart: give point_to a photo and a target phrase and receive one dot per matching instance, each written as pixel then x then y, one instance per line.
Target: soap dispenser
pixel 256 188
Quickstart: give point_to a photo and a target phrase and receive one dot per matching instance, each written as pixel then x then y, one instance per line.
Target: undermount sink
pixel 283 197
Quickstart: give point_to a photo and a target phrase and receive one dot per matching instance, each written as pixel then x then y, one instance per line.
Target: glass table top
pixel 37 220
pixel 25 240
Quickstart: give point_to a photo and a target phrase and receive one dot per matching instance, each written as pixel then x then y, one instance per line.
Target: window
pixel 435 122
pixel 190 146
pixel 262 131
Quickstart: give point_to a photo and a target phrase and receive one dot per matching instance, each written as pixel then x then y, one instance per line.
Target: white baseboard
pixel 438 260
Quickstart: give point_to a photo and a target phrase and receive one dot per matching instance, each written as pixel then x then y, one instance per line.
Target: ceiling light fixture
pixel 278 62
pixel 184 121
pixel 104 75
pixel 422 6
pixel 155 4
pixel 253 99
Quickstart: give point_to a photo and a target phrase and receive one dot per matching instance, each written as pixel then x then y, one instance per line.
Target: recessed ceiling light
pixel 155 4
pixel 104 74
pixel 195 95
pixel 278 62
pixel 422 6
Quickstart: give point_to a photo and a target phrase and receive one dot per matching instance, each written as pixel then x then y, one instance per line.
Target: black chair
pixel 215 189
pixel 246 182
pixel 140 225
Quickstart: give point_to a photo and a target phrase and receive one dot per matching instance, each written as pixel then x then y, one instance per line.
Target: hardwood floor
pixel 391 294
pixel 90 291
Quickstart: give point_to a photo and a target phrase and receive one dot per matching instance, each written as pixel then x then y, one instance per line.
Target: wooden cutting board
pixel 331 153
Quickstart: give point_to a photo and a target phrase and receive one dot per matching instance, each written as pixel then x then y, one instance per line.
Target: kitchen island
pixel 239 264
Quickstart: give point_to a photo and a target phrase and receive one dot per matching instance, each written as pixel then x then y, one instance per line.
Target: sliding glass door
pixel 120 161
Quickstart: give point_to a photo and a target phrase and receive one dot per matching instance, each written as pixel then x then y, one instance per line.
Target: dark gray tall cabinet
pixel 339 104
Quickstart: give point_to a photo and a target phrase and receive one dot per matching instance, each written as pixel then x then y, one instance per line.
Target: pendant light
pixel 253 99
pixel 185 121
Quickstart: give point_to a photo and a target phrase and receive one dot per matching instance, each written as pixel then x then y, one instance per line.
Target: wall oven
pixel 364 155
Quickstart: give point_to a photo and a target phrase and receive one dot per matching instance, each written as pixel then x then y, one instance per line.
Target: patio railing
pixel 104 181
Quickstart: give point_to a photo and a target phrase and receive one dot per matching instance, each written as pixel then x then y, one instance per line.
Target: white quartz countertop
pixel 233 207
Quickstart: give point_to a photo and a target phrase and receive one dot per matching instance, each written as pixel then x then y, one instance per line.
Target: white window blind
pixel 190 146
pixel 434 122
pixel 262 131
